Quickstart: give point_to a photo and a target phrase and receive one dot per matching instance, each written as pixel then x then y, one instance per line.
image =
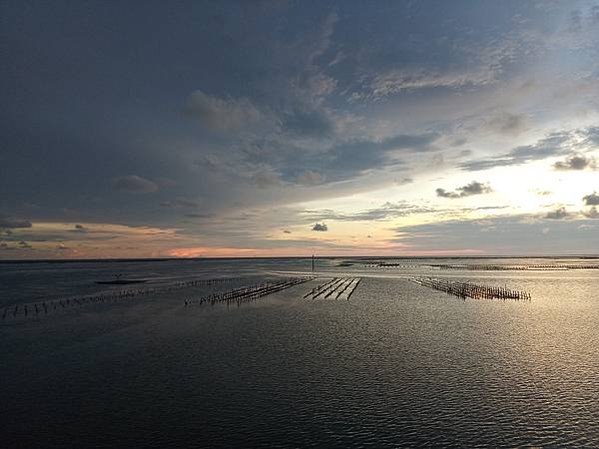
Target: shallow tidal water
pixel 397 365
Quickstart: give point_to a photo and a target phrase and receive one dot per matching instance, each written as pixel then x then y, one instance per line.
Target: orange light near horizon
pixel 293 252
pixel 234 252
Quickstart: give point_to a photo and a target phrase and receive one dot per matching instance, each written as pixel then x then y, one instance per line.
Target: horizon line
pixel 165 259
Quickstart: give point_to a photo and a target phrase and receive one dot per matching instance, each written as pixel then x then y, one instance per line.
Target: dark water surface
pixel 397 365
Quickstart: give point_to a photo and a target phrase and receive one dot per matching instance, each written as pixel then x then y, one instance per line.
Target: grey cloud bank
pixel 134 184
pixel 11 222
pixel 474 188
pixel 320 227
pixel 576 162
pixel 591 199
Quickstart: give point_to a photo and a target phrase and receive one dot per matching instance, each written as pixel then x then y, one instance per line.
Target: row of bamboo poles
pixel 469 290
pixel 477 267
pixel 538 267
pixel 43 308
pixel 337 288
pixel 204 282
pixel 394 265
pixel 247 293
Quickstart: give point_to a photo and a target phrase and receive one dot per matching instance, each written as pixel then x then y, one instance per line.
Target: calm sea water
pixel 398 365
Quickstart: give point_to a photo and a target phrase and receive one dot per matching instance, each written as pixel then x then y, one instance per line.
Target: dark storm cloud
pixel 134 184
pixel 591 200
pixel 234 68
pixel 320 227
pixel 556 144
pixel 474 188
pixel 576 162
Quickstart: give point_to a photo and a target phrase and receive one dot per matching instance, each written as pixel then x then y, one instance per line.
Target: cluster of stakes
pixel 393 265
pixel 337 288
pixel 547 267
pixel 475 267
pixel 42 308
pixel 203 282
pixel 246 294
pixel 469 290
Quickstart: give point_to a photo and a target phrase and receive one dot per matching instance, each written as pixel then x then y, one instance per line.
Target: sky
pixel 291 128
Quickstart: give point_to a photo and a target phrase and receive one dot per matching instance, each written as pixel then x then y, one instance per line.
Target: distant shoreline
pixel 181 259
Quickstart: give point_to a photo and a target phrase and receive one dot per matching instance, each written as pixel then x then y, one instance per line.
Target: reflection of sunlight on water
pixel 397 364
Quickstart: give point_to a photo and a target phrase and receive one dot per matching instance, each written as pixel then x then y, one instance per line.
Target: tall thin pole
pixel 312 263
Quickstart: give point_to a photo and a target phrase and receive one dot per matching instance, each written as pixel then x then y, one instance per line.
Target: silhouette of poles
pixel 334 289
pixel 245 294
pixel 470 290
pixel 36 309
pixel 533 267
